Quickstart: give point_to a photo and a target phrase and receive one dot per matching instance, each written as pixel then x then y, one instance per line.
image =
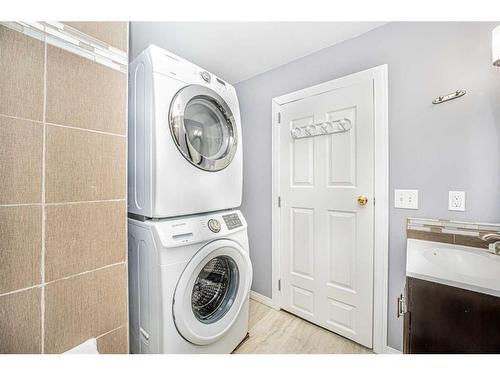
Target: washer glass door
pixel 215 289
pixel 211 291
pixel 203 128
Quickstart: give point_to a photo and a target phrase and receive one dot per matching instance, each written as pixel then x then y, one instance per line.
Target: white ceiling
pixel 236 51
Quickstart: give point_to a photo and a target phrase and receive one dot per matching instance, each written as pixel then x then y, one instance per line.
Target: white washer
pixel 189 283
pixel 185 148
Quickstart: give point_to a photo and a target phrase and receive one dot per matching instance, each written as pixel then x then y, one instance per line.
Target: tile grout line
pixel 20 204
pixel 63 203
pixel 87 130
pixel 64 126
pixel 41 285
pixel 21 118
pixel 111 331
pixel 83 202
pixel 85 272
pixel 44 145
pixel 20 290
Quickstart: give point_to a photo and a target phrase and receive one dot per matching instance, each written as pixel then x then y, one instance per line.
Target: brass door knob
pixel 362 200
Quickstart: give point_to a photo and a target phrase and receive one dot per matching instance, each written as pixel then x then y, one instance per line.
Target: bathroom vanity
pixel 452 301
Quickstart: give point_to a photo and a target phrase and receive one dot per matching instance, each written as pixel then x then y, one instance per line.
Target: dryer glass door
pixel 211 291
pixel 203 128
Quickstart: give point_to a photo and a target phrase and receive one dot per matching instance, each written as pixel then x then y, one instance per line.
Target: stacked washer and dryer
pixel 189 267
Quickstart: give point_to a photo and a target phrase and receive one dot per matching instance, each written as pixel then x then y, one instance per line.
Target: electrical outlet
pixel 456 200
pixel 404 198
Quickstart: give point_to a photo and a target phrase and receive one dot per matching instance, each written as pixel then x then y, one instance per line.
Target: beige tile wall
pixel 84 94
pixel 20 247
pixel 20 323
pixel 22 75
pixel 63 260
pixel 78 165
pixel 21 156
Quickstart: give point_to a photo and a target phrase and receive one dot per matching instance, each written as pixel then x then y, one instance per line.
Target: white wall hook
pixel 321 128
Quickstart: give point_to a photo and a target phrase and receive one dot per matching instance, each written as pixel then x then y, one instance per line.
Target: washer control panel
pixel 196 228
pixel 232 221
pixel 214 225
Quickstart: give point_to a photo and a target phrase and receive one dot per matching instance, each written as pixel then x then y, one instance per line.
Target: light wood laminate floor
pixel 278 332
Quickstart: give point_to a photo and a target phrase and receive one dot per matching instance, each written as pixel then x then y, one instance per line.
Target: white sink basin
pixel 460 266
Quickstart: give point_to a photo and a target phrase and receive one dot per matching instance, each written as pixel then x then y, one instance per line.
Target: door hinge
pixel 279 201
pixel 279 117
pixel 401 306
pixel 279 285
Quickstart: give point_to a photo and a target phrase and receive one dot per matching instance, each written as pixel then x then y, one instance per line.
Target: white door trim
pixel 379 75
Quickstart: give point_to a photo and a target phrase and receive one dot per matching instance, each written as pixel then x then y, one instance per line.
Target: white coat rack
pixel 321 128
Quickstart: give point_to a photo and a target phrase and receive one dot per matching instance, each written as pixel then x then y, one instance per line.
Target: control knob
pixel 214 225
pixel 206 76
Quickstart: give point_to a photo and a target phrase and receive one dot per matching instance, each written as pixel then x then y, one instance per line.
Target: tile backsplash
pixel 450 231
pixel 63 133
pixel 83 94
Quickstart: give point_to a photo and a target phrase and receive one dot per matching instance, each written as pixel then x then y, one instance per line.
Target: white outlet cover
pixel 406 198
pixel 456 200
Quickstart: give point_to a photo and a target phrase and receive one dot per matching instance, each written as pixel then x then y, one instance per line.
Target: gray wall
pixel 452 146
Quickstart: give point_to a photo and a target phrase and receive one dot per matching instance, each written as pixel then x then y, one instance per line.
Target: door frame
pixel 379 76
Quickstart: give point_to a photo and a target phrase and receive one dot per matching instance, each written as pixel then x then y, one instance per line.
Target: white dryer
pixel 189 283
pixel 185 148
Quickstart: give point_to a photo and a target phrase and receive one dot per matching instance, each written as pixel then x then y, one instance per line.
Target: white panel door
pixel 326 235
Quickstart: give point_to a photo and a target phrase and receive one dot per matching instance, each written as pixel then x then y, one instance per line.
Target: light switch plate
pixel 406 198
pixel 456 200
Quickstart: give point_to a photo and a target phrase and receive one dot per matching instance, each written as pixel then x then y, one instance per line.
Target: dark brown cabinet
pixel 445 319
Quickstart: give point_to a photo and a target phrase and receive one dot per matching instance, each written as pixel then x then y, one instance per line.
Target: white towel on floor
pixel 88 347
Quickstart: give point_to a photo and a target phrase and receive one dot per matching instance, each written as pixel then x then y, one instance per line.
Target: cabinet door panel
pixel 445 319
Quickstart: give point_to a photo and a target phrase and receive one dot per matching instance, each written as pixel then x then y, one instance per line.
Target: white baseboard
pixel 389 350
pixel 262 299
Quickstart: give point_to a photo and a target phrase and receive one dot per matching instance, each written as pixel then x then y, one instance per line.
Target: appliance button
pixel 214 225
pixel 206 76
